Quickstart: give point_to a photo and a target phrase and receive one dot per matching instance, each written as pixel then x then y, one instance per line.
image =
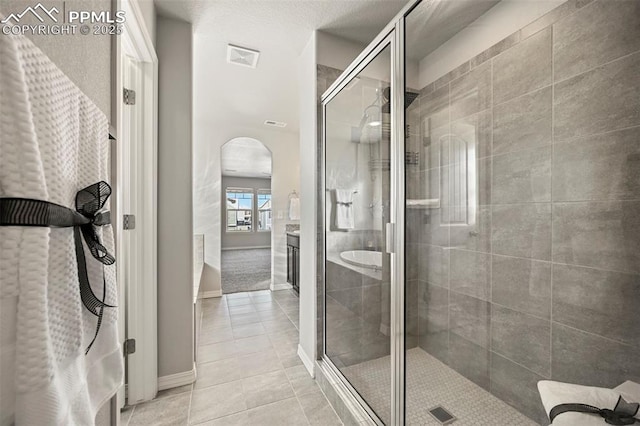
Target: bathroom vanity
pixel 293 260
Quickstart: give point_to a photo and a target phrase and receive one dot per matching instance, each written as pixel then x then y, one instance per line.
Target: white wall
pixel 148 9
pixel 175 219
pixel 86 60
pixel 338 53
pixel 307 79
pixel 500 21
pixel 208 139
pixel 334 51
pixel 209 136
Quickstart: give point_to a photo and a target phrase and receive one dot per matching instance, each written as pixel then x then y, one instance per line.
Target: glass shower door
pixel 516 197
pixel 357 147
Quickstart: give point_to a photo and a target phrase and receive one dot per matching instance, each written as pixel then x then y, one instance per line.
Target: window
pixel 239 209
pixel 264 210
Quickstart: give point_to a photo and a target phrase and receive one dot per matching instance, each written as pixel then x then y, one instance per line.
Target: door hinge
pixel 129 346
pixel 128 222
pixel 129 96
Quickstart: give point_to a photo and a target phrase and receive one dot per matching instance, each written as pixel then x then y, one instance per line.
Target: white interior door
pixel 136 245
pixel 130 235
pixel 135 180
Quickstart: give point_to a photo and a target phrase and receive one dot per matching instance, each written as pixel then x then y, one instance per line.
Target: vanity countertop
pixel 294 233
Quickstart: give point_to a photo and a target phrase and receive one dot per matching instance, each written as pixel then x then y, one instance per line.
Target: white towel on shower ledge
pixel 53 142
pixel 344 209
pixel 554 393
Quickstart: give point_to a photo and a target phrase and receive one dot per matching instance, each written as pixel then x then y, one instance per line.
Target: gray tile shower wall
pixel 538 276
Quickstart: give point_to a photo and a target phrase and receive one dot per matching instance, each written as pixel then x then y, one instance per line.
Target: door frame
pixel 394 240
pixel 138 305
pixel 392 35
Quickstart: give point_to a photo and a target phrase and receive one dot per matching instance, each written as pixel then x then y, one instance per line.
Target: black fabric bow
pixel 623 413
pixel 84 220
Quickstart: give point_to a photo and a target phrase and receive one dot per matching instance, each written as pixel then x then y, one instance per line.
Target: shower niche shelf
pixel 426 203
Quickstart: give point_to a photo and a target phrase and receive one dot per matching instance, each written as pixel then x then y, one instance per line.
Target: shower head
pixel 368 120
pixel 409 97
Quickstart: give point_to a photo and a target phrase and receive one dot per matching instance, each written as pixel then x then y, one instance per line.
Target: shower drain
pixel 442 415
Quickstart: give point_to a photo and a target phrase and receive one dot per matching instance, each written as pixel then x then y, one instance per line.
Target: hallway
pixel 248 370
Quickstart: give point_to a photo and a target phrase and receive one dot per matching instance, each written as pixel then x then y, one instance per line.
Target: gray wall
pixel 546 282
pixel 175 222
pixel 242 239
pixel 86 60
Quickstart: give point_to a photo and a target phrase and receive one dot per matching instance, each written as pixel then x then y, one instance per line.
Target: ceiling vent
pixel 275 123
pixel 242 56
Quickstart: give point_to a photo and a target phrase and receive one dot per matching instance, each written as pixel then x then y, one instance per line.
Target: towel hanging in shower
pixel 344 209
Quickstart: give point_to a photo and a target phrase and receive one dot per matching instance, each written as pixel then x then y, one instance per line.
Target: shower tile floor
pixel 431 383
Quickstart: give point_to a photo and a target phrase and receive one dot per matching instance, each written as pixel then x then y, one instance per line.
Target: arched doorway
pixel 246 259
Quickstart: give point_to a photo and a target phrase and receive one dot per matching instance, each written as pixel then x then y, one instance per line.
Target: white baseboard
pixel 212 293
pixel 245 248
pixel 308 364
pixel 284 286
pixel 178 379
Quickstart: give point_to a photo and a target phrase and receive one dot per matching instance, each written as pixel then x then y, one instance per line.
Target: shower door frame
pixel 392 36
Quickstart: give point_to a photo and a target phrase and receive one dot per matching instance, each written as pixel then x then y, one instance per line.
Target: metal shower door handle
pixel 390 237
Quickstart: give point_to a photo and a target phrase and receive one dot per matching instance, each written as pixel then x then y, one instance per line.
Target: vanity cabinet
pixel 293 261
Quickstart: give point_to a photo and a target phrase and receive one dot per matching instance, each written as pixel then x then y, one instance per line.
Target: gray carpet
pixel 246 270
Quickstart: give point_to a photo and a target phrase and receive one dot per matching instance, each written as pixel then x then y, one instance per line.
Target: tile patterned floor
pixel 431 383
pixel 249 372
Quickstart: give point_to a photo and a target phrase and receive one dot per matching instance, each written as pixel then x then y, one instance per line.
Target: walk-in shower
pixel 489 153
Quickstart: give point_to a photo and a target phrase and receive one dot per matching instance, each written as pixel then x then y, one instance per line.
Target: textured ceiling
pixel 286 24
pixel 226 94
